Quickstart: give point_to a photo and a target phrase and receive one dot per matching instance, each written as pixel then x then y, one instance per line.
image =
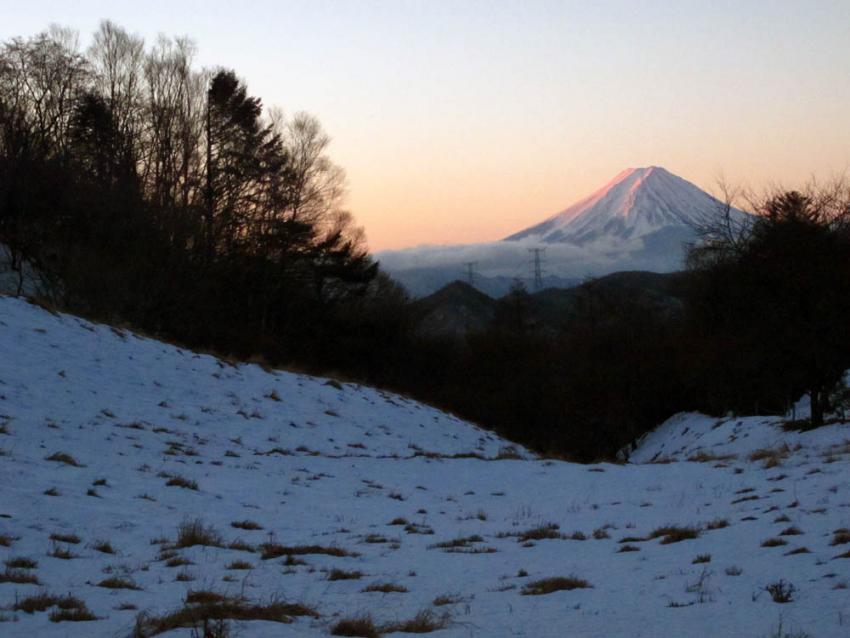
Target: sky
pixel 467 121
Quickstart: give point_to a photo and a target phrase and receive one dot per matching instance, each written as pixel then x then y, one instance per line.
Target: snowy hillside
pixel 688 436
pixel 305 503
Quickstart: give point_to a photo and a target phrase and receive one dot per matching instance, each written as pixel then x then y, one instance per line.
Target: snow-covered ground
pixel 376 481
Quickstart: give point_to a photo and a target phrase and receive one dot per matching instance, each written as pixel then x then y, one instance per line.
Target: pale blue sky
pixel 463 121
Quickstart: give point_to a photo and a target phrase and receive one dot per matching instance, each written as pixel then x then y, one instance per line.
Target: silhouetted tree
pixel 778 296
pixel 41 79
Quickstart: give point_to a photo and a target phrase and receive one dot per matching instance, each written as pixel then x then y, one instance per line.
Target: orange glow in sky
pixel 467 121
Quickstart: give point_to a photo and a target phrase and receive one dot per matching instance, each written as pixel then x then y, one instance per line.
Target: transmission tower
pixel 537 266
pixel 470 272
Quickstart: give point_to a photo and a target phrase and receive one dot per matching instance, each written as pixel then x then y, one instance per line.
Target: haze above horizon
pixel 465 122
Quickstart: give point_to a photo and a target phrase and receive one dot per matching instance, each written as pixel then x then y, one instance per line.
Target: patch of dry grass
pixel 20 562
pixel 78 614
pixel 115 582
pixel 177 561
pixel 181 481
pixel 674 533
pixel 64 458
pixel 417 528
pixel 360 627
pixel 43 600
pixel 538 533
pixel 461 542
pixel 18 577
pixel 195 532
pixel 781 591
pixel 840 536
pixel 773 542
pixel 772 457
pixel 385 588
pixel 342 574
pixel 707 457
pixel 446 599
pixel 241 546
pixel 275 550
pixel 364 626
pixel 103 546
pixel 62 553
pixel 556 583
pixel 202 607
pixel 424 622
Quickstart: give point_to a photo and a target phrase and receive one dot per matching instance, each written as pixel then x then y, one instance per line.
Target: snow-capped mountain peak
pixel 643 219
pixel 637 202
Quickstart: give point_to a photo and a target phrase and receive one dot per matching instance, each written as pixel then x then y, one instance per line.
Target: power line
pixel 537 266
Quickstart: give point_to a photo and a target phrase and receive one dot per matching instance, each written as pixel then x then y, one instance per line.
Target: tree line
pixel 147 192
pixel 144 190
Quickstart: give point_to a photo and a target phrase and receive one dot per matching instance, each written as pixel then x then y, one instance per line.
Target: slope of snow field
pixel 317 463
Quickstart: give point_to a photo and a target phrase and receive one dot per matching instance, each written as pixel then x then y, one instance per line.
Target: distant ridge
pixel 456 308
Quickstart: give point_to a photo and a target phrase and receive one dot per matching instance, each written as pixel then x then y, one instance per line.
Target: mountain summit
pixel 636 203
pixel 642 220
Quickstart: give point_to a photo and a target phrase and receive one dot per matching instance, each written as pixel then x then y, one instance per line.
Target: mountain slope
pixel 642 220
pixel 355 501
pixel 637 202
